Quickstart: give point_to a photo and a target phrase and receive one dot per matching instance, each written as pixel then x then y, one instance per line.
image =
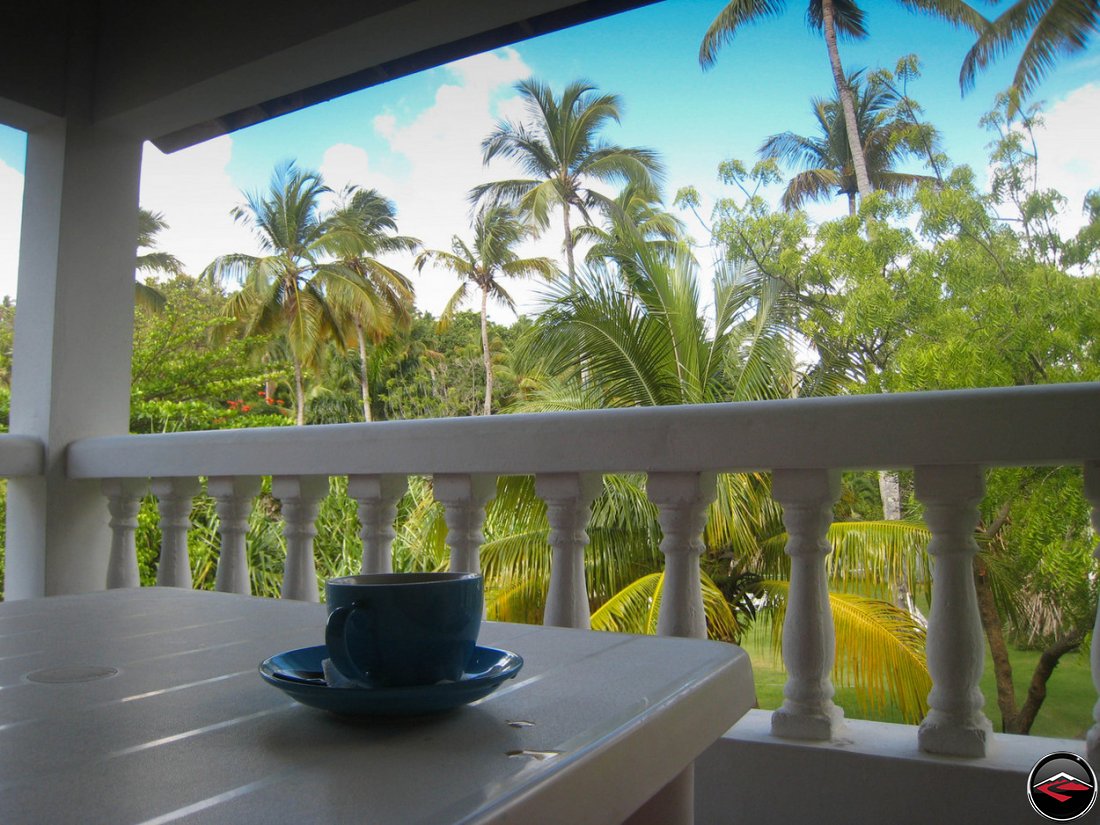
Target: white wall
pixel 876 776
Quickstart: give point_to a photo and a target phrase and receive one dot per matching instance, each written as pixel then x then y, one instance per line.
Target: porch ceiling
pixel 180 73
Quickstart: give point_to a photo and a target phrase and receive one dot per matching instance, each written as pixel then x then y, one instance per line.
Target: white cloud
pixel 11 218
pixel 344 164
pixel 194 191
pixel 1068 160
pixel 443 147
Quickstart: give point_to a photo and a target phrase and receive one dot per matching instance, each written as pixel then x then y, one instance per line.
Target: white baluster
pixel 809 643
pixel 378 497
pixel 955 724
pixel 682 500
pixel 568 498
pixel 301 500
pixel 464 498
pixel 233 496
pixel 123 502
pixel 1092 493
pixel 174 499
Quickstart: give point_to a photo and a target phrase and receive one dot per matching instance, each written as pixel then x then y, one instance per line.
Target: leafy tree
pixel 559 146
pixel 825 159
pixel 183 379
pixel 1049 29
pixel 832 18
pixel 977 296
pixel 497 230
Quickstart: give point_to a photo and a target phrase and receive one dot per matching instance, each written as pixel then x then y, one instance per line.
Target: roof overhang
pixel 181 73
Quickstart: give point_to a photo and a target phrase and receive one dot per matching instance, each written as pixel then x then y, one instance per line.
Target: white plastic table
pixel 173 723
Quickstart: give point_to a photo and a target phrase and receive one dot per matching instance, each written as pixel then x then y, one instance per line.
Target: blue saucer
pixel 298 674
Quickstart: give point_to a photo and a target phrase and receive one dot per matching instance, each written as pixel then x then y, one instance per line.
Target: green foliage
pixel 183 379
pixel 882 653
pixel 7 337
pixel 433 372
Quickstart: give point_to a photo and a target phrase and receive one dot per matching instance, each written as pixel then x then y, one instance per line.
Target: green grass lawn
pixel 1067 711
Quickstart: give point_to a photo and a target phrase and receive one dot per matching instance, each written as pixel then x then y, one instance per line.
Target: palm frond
pixel 879 650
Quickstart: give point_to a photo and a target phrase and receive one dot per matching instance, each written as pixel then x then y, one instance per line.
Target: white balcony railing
pixel 948 438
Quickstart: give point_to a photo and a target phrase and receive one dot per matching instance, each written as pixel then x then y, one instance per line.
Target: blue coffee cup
pixel 402 629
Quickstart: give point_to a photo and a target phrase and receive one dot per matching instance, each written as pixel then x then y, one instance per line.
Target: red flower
pixel 245 408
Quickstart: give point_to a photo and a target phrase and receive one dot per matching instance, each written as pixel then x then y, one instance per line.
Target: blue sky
pixel 416 139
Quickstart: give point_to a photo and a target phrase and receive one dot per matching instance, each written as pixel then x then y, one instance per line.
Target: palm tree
pixel 151 224
pixel 634 334
pixel 825 160
pixel 832 18
pixel 636 209
pixel 284 292
pixel 362 228
pixel 1051 28
pixel 559 146
pixel 497 230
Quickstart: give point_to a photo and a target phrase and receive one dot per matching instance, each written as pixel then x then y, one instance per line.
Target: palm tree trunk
pixel 299 394
pixel 269 385
pixel 852 204
pixel 994 634
pixel 364 381
pixel 859 162
pixel 889 487
pixel 485 351
pixel 572 268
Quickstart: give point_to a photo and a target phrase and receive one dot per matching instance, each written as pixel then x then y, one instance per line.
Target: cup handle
pixel 336 641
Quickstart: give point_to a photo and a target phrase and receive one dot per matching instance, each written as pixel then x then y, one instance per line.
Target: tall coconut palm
pixel 1051 29
pixel 558 144
pixel 363 228
pixel 825 160
pixel 833 18
pixel 497 231
pixel 283 292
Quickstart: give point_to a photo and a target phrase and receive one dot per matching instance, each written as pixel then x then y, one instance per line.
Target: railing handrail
pixel 1039 425
pixel 21 455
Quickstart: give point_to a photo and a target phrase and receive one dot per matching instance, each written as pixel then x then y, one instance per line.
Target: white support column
pixel 809 643
pixel 71 372
pixel 174 501
pixel 682 500
pixel 378 497
pixel 123 502
pixel 464 498
pixel 301 499
pixel 1092 493
pixel 955 724
pixel 568 498
pixel 233 496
